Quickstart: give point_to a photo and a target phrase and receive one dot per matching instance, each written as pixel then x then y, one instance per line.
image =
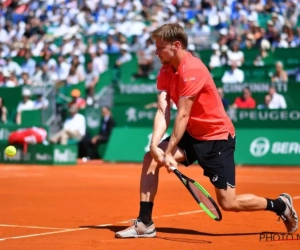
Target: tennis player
pixel 202 132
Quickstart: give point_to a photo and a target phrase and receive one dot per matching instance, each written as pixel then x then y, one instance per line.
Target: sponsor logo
pixel 4 134
pixel 189 79
pixel 261 146
pixel 16 157
pixel 138 88
pixel 215 178
pixel 259 87
pixel 134 115
pixel 66 156
pixel 263 115
pixel 43 157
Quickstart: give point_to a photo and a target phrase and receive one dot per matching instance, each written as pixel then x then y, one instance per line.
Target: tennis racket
pixel 201 196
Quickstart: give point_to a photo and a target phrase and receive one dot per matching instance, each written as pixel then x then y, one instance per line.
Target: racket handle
pixel 172 168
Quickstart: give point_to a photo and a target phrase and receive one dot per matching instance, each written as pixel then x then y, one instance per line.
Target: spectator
pixel 235 55
pixel 233 76
pixel 79 44
pixel 25 79
pixel 145 59
pixel 125 55
pixel 280 74
pixel 89 145
pixel 10 79
pixel 37 76
pixel 264 57
pixel 26 104
pixel 258 32
pixel 49 61
pixel 29 64
pixel 3 111
pixel 245 101
pixel 265 105
pixel 73 128
pixel 112 46
pixel 277 100
pixel 41 102
pixel 105 59
pixel 72 78
pixel 215 59
pixel 46 78
pixel 2 77
pixel 224 100
pixel 91 80
pixel 98 62
pixel 192 49
pixel 77 101
pixel 135 45
pixel 63 69
pixel 79 68
pixel 250 41
pixel 224 56
pixel 12 66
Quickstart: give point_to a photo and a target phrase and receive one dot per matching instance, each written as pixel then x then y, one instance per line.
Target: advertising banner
pixel 40 154
pixel 254 146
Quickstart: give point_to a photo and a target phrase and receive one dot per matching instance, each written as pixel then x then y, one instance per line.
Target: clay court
pixel 81 207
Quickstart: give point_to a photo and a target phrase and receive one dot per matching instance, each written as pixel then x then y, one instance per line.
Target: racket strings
pixel 201 197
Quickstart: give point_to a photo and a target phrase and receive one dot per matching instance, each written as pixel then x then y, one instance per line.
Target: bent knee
pixel 228 205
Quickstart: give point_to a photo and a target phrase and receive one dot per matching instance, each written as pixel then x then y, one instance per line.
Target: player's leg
pixel 149 181
pixel 281 206
pixel 223 178
pixel 143 225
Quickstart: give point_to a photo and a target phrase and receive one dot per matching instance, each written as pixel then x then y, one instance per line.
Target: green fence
pixel 254 146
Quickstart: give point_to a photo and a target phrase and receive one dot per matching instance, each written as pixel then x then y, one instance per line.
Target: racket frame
pixel 184 179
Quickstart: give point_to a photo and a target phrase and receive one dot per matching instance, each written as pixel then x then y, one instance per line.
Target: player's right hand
pixel 157 154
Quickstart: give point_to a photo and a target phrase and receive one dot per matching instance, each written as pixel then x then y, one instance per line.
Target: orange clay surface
pixel 81 207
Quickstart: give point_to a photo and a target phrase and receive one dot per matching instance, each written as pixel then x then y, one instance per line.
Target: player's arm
pixel 184 109
pixel 162 118
pixel 190 84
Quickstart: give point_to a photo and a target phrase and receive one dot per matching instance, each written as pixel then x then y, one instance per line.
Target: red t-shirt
pixel 208 119
pixel 249 103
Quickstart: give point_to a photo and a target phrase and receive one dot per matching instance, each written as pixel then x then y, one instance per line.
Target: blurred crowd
pixel 74 41
pixel 68 30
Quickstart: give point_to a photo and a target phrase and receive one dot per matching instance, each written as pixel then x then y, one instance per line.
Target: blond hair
pixel 171 32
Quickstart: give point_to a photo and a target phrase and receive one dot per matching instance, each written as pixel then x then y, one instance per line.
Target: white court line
pixel 55 228
pixel 86 228
pixel 102 225
pixel 41 234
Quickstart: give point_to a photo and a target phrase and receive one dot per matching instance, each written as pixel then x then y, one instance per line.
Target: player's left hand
pixel 169 161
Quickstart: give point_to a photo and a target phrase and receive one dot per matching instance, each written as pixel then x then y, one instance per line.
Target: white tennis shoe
pixel 289 216
pixel 137 230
